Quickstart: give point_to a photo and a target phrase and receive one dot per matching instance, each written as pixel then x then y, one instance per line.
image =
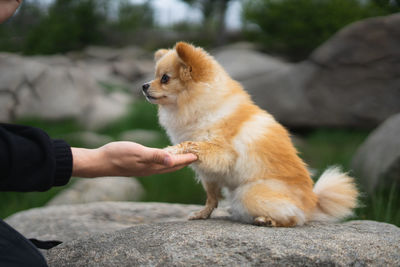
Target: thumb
pixel 160 156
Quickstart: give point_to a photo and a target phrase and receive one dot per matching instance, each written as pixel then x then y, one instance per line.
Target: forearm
pixel 89 163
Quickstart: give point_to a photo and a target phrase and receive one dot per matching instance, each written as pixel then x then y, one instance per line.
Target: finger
pixel 183 159
pixel 171 169
pixel 158 156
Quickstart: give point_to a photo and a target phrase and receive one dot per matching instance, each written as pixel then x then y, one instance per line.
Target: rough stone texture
pixel 242 62
pixel 99 189
pixel 106 109
pixel 112 54
pixel 50 89
pixel 156 234
pixel 353 79
pixel 70 222
pixel 60 92
pixel 220 242
pixel 59 87
pixel 377 161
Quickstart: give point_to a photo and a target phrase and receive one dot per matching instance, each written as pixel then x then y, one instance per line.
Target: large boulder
pixel 127 234
pixel 142 136
pixel 71 222
pixel 243 62
pixel 99 189
pixel 42 90
pixel 55 88
pixel 377 161
pixel 350 80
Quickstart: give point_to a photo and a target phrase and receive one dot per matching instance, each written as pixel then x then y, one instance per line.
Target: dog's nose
pixel 145 86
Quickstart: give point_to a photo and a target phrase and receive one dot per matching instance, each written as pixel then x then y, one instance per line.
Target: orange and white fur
pixel 239 146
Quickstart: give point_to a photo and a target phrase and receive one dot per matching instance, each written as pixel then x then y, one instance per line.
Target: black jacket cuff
pixel 63 156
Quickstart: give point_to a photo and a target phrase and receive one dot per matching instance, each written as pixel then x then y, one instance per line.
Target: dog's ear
pixel 197 64
pixel 159 54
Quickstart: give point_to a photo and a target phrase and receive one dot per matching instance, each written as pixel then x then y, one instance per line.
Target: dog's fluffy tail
pixel 337 196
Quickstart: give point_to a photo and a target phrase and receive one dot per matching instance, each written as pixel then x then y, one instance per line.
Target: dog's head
pixel 179 72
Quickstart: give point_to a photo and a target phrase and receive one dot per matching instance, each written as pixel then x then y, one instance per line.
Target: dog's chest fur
pixel 202 128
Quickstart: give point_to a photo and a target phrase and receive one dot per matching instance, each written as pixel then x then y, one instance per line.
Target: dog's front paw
pixel 183 148
pixel 175 150
pixel 200 215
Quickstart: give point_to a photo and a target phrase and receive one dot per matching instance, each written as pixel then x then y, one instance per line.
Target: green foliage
pixel 132 17
pixel 66 25
pixel 70 25
pixel 294 28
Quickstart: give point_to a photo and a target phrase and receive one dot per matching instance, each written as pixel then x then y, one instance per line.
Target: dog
pixel 239 146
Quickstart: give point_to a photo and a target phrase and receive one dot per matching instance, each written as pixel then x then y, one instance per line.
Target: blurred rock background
pixel 329 70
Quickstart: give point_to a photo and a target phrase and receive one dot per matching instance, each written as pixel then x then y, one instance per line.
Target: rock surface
pixel 351 80
pixel 243 62
pixel 55 88
pixel 99 189
pixel 141 136
pixel 87 139
pixel 377 161
pixel 127 234
pixel 70 222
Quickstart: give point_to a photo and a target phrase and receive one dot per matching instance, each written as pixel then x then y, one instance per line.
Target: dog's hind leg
pixel 268 207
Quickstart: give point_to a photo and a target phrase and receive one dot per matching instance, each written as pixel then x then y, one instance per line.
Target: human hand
pixel 126 159
pixel 7 8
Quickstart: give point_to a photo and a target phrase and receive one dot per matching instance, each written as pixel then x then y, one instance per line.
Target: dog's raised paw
pixel 173 150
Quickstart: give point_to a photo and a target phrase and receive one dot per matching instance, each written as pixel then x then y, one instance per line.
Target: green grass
pixel 319 148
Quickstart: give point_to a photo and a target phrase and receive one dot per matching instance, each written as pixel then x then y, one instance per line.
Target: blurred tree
pixel 134 16
pixel 70 25
pixel 294 28
pixel 214 13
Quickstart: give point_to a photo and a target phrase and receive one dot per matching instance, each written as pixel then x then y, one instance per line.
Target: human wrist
pixel 88 163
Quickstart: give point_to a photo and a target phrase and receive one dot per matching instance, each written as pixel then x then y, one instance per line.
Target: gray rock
pixel 106 109
pixel 113 54
pixel 243 63
pixel 44 90
pixel 127 234
pixel 54 60
pixel 70 222
pixel 221 242
pixel 141 136
pixel 87 139
pixel 377 161
pixel 128 69
pixel 352 80
pixel 99 189
pixel 60 92
pixel 358 76
pixel 102 53
pixel 7 104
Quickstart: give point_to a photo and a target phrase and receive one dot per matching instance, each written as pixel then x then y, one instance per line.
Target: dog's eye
pixel 164 78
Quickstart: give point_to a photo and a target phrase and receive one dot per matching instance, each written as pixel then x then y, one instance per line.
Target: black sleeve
pixel 31 161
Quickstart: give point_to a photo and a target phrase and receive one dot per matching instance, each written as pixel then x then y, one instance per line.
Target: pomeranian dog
pixel 239 146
